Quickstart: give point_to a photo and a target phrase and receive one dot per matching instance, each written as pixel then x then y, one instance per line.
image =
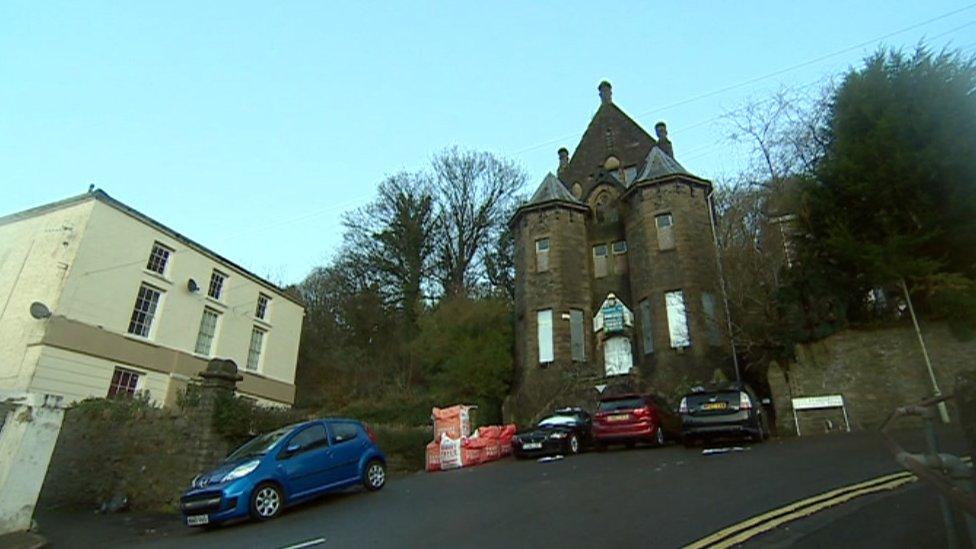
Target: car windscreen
pixel 620 404
pixel 259 445
pixel 558 421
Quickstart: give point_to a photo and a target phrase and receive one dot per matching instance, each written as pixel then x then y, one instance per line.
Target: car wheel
pixel 573 444
pixel 374 476
pixel 659 438
pixel 266 501
pixel 630 444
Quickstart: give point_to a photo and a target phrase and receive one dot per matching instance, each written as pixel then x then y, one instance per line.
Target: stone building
pixel 617 283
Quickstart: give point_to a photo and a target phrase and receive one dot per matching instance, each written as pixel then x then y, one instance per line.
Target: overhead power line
pixel 774 73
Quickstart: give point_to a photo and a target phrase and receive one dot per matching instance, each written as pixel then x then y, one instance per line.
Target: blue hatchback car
pixel 284 467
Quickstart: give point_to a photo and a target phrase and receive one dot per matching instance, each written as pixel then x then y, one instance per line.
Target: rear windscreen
pixel 731 397
pixel 621 404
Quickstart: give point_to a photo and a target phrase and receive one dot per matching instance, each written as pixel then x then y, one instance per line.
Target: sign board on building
pixel 613 317
pixel 818 403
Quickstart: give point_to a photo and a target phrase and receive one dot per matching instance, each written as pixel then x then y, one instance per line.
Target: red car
pixel 632 418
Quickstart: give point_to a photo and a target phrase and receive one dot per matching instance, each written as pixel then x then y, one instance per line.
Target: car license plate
pixel 197 520
pixel 532 446
pixel 619 417
pixel 715 406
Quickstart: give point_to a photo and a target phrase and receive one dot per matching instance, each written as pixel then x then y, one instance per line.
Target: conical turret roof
pixel 658 164
pixel 552 189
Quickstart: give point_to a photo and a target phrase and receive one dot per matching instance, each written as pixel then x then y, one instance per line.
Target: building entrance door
pixel 617 356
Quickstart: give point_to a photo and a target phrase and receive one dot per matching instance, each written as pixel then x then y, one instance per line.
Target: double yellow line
pixel 743 531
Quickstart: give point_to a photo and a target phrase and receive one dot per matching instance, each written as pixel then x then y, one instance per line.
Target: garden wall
pixel 875 370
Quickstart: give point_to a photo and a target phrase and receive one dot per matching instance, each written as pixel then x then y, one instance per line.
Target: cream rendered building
pixel 135 306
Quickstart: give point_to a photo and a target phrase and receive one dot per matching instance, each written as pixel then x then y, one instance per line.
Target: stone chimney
pixel 661 129
pixel 563 159
pixel 606 92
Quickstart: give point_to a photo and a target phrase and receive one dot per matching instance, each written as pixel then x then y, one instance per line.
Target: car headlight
pixel 241 470
pixel 558 434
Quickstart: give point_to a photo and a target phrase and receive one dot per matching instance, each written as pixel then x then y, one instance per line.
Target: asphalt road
pixel 660 497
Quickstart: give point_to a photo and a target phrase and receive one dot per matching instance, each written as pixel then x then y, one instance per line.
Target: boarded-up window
pixel 600 260
pixel 711 320
pixel 677 319
pixel 544 321
pixel 542 255
pixel 647 335
pixel 665 231
pixel 577 335
pixel 619 251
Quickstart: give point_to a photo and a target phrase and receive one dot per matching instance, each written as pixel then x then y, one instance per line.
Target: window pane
pixel 216 284
pixel 677 319
pixel 143 312
pixel 124 383
pixel 342 432
pixel 254 350
pixel 208 328
pixel 262 307
pixel 309 438
pixel 544 321
pixel 158 258
pixel 620 247
pixel 542 244
pixel 600 250
pixel 647 335
pixel 577 335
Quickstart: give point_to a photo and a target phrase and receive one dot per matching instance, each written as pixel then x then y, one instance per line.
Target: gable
pixel 610 132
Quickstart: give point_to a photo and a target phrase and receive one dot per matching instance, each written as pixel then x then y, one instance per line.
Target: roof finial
pixel 606 92
pixel 563 158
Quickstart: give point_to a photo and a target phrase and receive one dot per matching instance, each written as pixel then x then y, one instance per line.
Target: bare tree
pixel 393 239
pixel 475 192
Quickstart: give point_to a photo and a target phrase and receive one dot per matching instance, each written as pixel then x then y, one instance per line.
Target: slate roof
pixel 552 189
pixel 659 164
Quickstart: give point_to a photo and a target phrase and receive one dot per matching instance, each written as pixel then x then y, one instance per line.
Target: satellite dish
pixel 192 286
pixel 39 310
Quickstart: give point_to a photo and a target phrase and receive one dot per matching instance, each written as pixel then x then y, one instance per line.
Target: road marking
pixel 309 543
pixel 754 526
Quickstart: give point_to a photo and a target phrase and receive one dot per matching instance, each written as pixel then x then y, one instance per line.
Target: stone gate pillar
pixel 219 384
pixel 29 427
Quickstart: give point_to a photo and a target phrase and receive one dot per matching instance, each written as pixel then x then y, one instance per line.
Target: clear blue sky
pixel 251 126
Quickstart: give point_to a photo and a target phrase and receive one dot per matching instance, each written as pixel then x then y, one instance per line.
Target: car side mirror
pixel 292 448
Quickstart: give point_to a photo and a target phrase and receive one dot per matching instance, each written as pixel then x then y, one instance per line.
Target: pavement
pixel 661 497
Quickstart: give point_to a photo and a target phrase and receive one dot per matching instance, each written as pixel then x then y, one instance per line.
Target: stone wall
pixel 149 455
pixel 875 370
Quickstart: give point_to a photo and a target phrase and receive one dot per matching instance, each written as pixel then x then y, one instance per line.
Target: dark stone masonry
pixel 616 274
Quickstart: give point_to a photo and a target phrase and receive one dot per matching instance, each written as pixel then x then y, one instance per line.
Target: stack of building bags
pixel 454 446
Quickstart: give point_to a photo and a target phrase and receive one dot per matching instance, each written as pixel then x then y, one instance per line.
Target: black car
pixel 566 431
pixel 730 410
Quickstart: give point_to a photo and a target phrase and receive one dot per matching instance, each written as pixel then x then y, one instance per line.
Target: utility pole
pixel 943 411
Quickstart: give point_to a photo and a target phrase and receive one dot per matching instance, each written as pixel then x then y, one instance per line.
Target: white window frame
pixel 263 312
pixel 544 331
pixel 677 319
pixel 215 289
pixel 163 258
pixel 208 351
pixel 149 313
pixel 140 376
pixel 601 261
pixel 254 355
pixel 623 249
